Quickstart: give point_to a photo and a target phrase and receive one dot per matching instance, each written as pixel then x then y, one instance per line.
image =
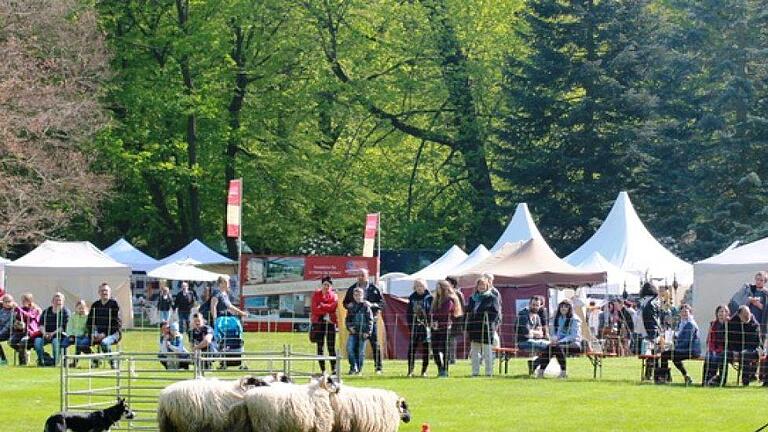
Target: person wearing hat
pixel 565 338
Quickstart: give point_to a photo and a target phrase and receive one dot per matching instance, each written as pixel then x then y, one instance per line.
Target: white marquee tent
pixel 477 256
pixel 199 252
pixel 74 268
pixel 520 228
pixel 3 262
pixel 432 273
pixel 717 278
pixel 617 279
pixel 125 253
pixel 625 242
pixel 183 271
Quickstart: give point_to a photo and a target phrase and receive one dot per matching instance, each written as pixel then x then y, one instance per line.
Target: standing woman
pixel 324 320
pixel 26 327
pixel 445 307
pixel 164 304
pixel 482 312
pixel 419 312
pixel 649 310
pixel 565 339
pixel 205 307
pixel 221 305
pixel 459 323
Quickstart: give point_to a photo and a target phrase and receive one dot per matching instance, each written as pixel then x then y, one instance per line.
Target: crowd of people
pixel 28 326
pixel 650 326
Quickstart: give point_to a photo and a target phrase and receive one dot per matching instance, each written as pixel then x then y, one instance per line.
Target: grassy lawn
pixel 461 403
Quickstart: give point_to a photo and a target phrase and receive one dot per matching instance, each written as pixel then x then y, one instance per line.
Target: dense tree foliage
pixel 440 114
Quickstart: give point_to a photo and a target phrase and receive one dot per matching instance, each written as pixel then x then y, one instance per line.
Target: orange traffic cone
pixel 425 427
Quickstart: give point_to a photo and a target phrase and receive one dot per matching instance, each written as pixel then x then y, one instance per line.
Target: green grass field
pixel 462 403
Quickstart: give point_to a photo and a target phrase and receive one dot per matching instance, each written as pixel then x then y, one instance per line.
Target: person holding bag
pixel 324 320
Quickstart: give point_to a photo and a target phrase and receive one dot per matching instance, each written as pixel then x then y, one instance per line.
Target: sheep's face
pixel 402 408
pixel 329 383
pixel 281 378
pixel 248 382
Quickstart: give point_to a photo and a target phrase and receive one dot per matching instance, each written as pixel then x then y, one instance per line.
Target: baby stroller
pixel 229 339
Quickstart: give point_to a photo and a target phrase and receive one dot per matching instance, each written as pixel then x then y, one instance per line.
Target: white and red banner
pixel 369 238
pixel 234 207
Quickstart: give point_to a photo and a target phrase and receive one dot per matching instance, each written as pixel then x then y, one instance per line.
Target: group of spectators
pixel 28 326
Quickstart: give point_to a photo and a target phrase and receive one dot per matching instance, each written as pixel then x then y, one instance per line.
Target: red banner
pixel 234 206
pixel 369 237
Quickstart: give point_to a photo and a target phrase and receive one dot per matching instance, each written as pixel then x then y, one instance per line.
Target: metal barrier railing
pixel 139 377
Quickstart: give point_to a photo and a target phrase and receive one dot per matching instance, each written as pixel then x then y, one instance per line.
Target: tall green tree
pixel 580 115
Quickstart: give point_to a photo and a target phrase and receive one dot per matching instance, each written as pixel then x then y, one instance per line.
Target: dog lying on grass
pixel 97 421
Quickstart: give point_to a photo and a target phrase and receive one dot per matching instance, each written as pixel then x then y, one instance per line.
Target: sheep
pixel 292 408
pixel 368 410
pixel 208 404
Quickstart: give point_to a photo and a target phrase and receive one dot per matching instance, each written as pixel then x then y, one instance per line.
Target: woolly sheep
pixel 208 404
pixel 292 408
pixel 368 410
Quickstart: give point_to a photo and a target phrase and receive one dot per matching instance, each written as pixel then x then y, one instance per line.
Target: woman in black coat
pixel 481 314
pixel 419 312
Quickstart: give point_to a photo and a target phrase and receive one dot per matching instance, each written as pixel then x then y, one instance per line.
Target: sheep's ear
pixel 247 381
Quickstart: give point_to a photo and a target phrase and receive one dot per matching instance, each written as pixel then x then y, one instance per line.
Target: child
pixel 76 329
pixel 359 322
pixel 172 342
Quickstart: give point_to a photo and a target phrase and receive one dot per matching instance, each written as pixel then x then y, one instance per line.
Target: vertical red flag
pixel 371 226
pixel 234 206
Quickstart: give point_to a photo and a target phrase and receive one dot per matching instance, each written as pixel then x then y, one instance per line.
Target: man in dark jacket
pixel 375 300
pixel 531 330
pixel 104 324
pixel 185 300
pixel 743 338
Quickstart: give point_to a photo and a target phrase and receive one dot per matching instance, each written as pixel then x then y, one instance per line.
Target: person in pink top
pixel 445 307
pixel 324 321
pixel 26 327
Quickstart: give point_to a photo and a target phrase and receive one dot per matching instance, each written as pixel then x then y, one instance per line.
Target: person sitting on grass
pixel 565 339
pixel 202 337
pixel 687 346
pixel 104 324
pixel 26 327
pixel 7 312
pixel 359 323
pixel 743 339
pixel 171 341
pixel 53 324
pixel 77 330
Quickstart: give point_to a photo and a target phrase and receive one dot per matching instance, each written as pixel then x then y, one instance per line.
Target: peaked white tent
pixel 717 278
pixel 625 242
pixel 432 273
pixel 125 253
pixel 74 268
pixel 183 271
pixel 520 228
pixel 477 256
pixel 617 279
pixel 199 252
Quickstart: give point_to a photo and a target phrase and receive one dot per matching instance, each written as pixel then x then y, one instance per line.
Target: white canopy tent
pixel 717 278
pixel 183 271
pixel 520 228
pixel 477 256
pixel 625 242
pixel 199 252
pixel 74 268
pixel 439 269
pixel 617 279
pixel 125 253
pixel 3 262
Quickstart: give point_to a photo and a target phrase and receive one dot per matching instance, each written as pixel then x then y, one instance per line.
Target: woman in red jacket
pixel 324 303
pixel 714 362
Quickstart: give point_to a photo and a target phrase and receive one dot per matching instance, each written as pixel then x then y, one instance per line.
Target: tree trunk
pixel 470 133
